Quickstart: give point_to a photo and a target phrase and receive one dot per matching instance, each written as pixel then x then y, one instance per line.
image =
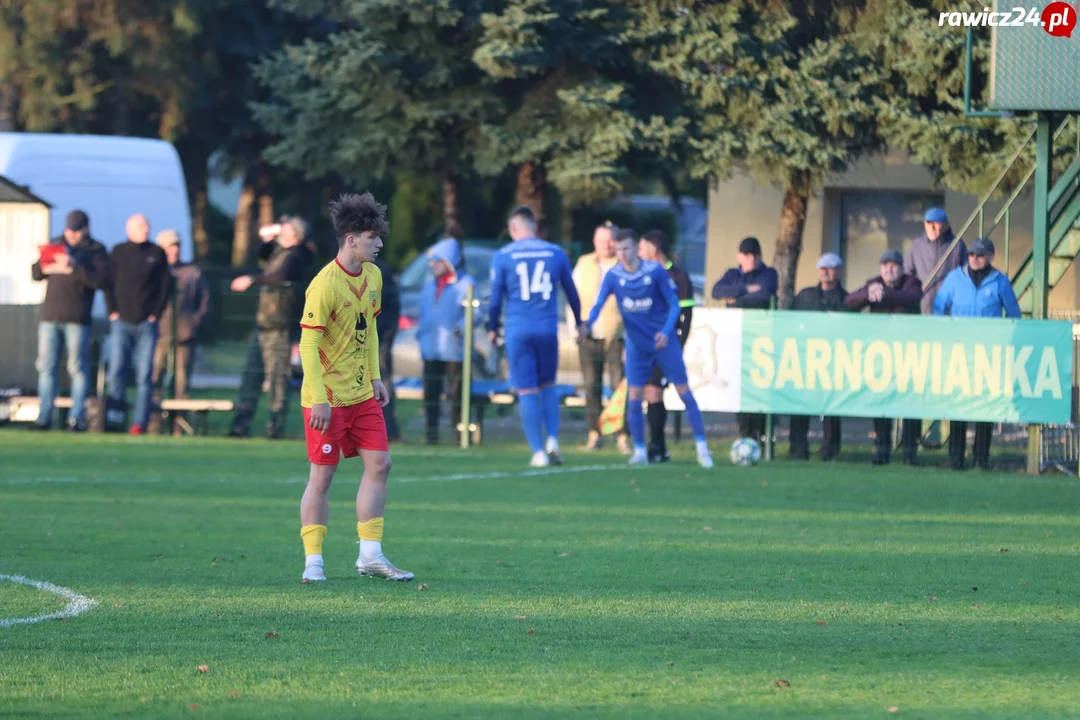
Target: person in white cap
pixel 827 296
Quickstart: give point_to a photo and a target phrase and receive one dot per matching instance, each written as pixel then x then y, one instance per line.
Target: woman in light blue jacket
pixel 440 331
pixel 977 290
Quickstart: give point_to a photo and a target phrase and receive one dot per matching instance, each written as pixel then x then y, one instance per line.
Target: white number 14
pixel 541 281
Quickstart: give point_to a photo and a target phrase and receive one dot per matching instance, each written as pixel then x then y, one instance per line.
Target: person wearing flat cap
pixel 74 267
pixel 827 296
pixel 751 285
pixel 929 259
pixel 892 292
pixel 189 303
pixel 977 290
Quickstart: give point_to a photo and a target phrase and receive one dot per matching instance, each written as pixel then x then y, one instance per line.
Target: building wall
pixel 23 226
pixel 741 206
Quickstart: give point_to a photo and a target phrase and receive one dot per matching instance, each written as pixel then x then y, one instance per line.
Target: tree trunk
pixel 9 106
pixel 242 230
pixel 789 244
pixel 451 195
pixel 199 236
pixel 265 189
pixel 531 188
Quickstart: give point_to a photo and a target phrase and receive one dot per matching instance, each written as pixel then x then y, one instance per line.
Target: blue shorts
pixel 534 360
pixel 640 364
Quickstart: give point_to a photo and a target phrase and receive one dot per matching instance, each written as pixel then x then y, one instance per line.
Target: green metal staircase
pixel 1064 217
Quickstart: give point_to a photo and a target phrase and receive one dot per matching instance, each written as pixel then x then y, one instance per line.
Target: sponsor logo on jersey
pixel 639 305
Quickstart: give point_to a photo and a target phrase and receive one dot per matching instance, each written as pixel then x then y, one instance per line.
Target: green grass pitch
pixel 778 591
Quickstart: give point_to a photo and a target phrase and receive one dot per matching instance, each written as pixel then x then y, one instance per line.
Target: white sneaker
pixel 704 458
pixel 380 567
pixel 539 459
pixel 640 457
pixel 554 454
pixel 623 444
pixel 313 573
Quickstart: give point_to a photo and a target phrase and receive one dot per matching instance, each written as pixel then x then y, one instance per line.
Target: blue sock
pixel 693 415
pixel 636 417
pixel 549 400
pixel 529 404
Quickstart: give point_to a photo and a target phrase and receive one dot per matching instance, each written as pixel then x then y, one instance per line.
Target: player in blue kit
pixel 523 273
pixel 650 309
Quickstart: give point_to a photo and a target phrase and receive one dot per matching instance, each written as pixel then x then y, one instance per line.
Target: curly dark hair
pixel 356 214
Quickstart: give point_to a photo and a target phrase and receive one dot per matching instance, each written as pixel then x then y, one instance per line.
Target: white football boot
pixel 640 457
pixel 313 573
pixel 539 459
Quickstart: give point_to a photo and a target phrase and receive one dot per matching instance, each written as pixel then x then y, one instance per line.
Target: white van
pixel 111 178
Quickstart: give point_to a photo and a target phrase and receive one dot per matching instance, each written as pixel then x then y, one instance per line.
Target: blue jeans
pixel 51 336
pixel 138 340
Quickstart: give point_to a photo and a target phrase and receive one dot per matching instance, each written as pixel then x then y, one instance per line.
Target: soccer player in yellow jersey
pixel 343 394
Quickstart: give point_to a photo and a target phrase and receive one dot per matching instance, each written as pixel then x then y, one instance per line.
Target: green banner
pixel 906 366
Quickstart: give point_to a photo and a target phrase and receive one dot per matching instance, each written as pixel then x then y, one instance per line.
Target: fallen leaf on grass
pixel 565 554
pixel 519 617
pixel 234 693
pixel 781 682
pixel 499 562
pixel 532 631
pixel 192 706
pixel 422 586
pixel 821 622
pixel 931 598
pixel 894 709
pixel 204 668
pixel 974 606
pixel 707 528
pixel 271 634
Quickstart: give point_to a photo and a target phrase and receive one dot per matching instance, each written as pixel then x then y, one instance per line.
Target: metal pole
pixel 466 370
pixel 770 448
pixel 1040 240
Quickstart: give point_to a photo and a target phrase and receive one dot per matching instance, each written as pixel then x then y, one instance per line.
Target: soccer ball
pixel 745 451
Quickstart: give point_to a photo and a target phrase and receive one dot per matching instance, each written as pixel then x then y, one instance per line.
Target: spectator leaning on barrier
pixel 440 329
pixel 655 246
pixel 187 307
pixel 73 273
pixel 750 285
pixel 605 346
pixel 386 327
pixel 977 290
pixel 893 291
pixel 827 296
pixel 927 251
pixel 281 288
pixel 139 288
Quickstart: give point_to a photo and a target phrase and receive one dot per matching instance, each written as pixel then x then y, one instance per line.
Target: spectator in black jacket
pixel 893 291
pixel 77 270
pixel 827 296
pixel 751 285
pixel 139 288
pixel 386 325
pixel 281 289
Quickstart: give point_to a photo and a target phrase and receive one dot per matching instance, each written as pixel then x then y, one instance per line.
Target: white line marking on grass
pixel 539 472
pixel 79 603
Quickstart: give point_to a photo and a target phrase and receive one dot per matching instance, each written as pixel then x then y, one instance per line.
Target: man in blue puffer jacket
pixel 440 330
pixel 977 290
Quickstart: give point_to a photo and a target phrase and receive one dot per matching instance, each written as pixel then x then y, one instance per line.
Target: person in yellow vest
pixel 605 346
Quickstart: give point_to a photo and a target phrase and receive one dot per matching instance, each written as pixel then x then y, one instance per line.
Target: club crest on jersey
pixel 374 296
pixel 648 280
pixel 622 282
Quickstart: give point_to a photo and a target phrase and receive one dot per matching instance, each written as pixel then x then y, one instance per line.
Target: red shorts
pixel 352 428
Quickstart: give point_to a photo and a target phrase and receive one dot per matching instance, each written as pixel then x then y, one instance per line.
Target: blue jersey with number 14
pixel 524 274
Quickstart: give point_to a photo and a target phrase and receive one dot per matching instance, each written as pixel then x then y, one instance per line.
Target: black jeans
pixel 958 442
pixel 386 369
pixel 830 444
pixel 751 425
pixel 911 431
pixel 435 371
pixel 595 356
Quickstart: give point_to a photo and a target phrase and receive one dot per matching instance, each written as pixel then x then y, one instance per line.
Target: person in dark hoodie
pixel 72 277
pixel 440 330
pixel 893 292
pixel 978 290
pixel 752 285
pixel 281 288
pixel 827 296
pixel 139 288
pixel 927 251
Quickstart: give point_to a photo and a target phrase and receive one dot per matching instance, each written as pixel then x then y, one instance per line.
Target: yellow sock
pixel 370 529
pixel 312 536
